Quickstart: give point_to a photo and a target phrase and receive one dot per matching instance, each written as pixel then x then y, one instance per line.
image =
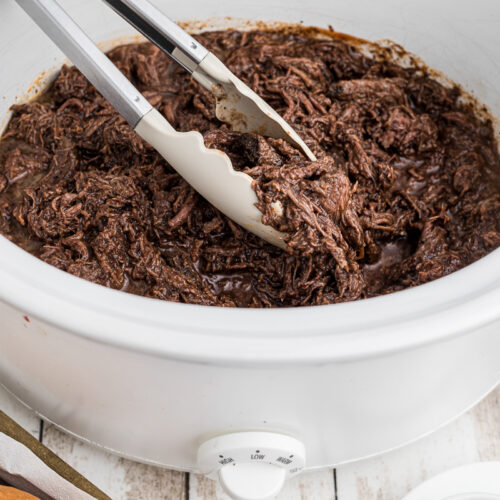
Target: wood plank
pixel 473 437
pixel 119 478
pixel 486 418
pixel 18 412
pixel 308 486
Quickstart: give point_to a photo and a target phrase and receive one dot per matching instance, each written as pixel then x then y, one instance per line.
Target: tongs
pixel 208 171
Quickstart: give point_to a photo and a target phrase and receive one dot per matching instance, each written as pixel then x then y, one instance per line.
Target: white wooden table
pixel 473 437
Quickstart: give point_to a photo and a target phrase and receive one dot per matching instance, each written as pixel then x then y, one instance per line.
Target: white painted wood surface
pixel 473 437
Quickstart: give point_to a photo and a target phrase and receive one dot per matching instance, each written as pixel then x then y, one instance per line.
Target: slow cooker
pixel 253 395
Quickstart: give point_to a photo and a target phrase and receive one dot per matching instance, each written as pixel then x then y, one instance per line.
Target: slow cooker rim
pixel 455 304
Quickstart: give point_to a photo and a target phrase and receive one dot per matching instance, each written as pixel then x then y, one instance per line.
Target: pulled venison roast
pixel 406 188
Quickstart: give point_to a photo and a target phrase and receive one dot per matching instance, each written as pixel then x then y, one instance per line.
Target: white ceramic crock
pixel 152 380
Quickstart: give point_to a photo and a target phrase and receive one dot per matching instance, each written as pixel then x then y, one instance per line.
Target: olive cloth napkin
pixel 27 464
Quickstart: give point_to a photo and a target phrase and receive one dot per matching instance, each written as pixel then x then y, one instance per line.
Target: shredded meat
pixel 406 187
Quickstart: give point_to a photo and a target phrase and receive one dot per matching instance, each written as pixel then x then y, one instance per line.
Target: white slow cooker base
pixel 341 411
pixel 143 460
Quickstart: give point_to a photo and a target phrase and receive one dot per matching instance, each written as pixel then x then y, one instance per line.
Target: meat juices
pixel 406 188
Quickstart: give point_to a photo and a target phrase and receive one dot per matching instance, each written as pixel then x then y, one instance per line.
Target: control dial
pixel 251 465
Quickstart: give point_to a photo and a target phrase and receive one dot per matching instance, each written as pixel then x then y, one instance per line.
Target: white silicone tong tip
pixel 240 106
pixel 210 172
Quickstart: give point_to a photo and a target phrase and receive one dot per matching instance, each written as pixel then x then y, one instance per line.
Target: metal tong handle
pixel 88 58
pixel 161 30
